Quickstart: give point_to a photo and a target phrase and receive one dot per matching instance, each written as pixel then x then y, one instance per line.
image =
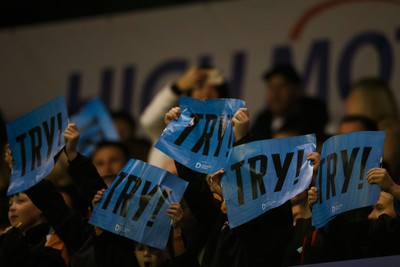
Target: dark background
pixel 30 12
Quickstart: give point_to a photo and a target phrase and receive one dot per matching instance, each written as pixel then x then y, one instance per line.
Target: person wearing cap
pixel 287 107
pixel 198 82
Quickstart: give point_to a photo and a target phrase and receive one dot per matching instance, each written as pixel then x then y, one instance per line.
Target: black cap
pixel 286 71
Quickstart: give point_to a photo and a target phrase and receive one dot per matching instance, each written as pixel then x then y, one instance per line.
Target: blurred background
pixel 19 13
pixel 125 51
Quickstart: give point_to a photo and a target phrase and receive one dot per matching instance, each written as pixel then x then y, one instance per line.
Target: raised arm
pixel 241 122
pixel 381 177
pixel 81 169
pixel 152 118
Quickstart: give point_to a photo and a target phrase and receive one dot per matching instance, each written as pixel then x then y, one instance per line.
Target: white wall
pixel 36 63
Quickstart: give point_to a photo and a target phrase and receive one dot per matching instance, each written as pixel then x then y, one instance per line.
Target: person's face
pixel 350 126
pixel 150 257
pixel 383 206
pixel 108 161
pixel 204 91
pixel 280 94
pixel 23 213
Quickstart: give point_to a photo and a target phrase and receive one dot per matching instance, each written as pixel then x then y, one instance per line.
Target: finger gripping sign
pixel 202 136
pixel 135 205
pixel 341 180
pixel 264 174
pixel 95 124
pixel 35 138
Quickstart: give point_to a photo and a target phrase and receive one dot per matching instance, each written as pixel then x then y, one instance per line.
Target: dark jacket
pixel 302 231
pixel 114 250
pixel 346 236
pixel 29 250
pixel 67 223
pixel 85 177
pixel 384 236
pixel 256 243
pixel 297 118
pixel 352 236
pixel 109 249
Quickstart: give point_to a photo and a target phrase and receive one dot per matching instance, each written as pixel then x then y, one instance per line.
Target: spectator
pixel 385 226
pixel 197 82
pixel 286 106
pixel 301 211
pixel 364 232
pixel 381 177
pixel 355 123
pixel 384 205
pixel 106 248
pixel 349 123
pixel 133 254
pixel 109 158
pixel 300 207
pixel 239 246
pixel 372 97
pixel 30 240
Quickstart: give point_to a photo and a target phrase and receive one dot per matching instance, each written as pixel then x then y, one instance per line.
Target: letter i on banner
pixel 34 140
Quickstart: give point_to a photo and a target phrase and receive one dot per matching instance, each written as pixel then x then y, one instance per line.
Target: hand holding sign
pixel 312 196
pixel 98 196
pixel 175 212
pixel 341 184
pixel 382 178
pixel 135 205
pixel 199 134
pixel 34 139
pixel 71 136
pixel 172 114
pixel 8 157
pixel 214 181
pixel 264 174
pixel 241 123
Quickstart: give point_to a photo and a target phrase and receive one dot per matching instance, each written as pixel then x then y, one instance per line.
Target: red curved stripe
pixel 296 31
